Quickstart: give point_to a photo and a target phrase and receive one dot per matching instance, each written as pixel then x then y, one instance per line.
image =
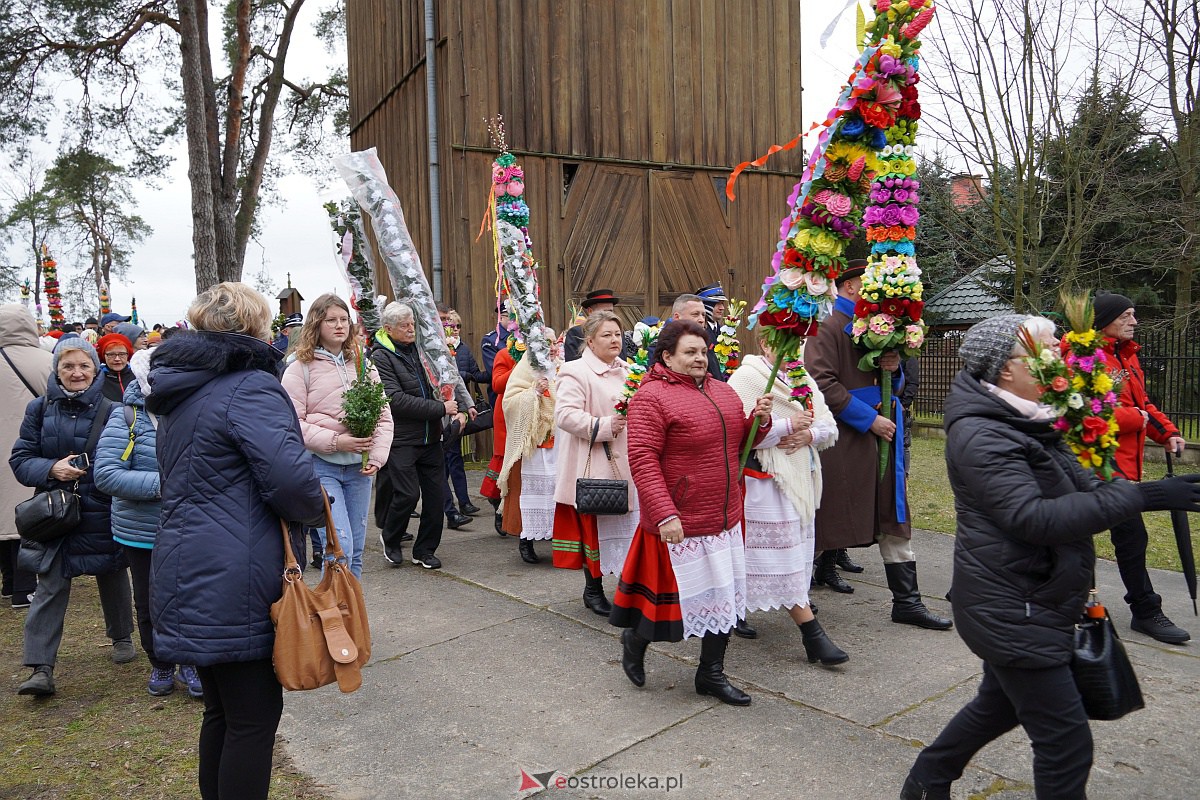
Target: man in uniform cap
pixel 714 299
pixel 599 300
pixel 1137 418
pixel 291 327
pixel 860 509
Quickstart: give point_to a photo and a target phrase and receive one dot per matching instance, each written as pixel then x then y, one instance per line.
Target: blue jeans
pixel 351 492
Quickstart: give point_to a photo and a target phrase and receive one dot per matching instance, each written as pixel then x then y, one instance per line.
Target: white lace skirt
pixel 537 494
pixel 779 549
pixel 615 534
pixel 710 573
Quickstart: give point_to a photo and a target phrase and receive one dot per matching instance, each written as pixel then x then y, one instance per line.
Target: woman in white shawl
pixel 783 490
pixel 529 414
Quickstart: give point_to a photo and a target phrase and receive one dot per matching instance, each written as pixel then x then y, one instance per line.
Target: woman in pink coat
pixel 326 363
pixel 586 423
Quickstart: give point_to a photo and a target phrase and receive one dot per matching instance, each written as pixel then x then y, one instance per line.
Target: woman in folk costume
pixel 783 490
pixel 587 428
pixel 502 367
pixel 529 450
pixel 685 574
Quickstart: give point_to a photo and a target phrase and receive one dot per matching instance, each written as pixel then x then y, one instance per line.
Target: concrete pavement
pixel 491 666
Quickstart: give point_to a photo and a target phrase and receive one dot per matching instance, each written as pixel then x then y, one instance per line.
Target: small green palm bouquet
pixel 363 404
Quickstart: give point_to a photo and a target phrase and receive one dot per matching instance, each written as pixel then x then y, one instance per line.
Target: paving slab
pixel 491 666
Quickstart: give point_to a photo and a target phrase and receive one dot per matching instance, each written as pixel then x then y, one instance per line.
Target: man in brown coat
pixel 849 516
pixel 24 370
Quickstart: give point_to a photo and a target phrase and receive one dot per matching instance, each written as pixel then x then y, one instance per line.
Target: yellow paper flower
pixel 1077 382
pixel 1102 384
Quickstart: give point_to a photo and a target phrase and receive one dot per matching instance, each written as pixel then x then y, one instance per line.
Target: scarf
pixel 529 416
pixel 797 475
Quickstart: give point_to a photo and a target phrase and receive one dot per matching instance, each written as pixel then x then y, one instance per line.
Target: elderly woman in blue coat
pixel 233 464
pixel 127 470
pixel 58 427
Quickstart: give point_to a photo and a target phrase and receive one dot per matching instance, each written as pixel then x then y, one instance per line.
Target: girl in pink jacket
pixel 325 363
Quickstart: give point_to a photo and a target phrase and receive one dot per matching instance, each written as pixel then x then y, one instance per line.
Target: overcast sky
pixel 296 237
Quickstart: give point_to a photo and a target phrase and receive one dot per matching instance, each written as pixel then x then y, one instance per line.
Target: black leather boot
pixel 842 559
pixel 593 594
pixel 744 630
pixel 825 571
pixel 525 548
pixel 710 676
pixel 633 656
pixel 819 646
pixel 907 606
pixel 915 790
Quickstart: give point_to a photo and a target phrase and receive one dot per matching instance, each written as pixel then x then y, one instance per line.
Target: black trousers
pixel 1045 703
pixel 139 573
pixel 1129 539
pixel 243 702
pixel 16 580
pixel 416 472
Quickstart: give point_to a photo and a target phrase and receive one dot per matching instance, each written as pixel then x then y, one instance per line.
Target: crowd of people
pixel 186 445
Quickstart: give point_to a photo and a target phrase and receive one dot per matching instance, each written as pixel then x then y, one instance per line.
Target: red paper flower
pixel 1059 384
pixel 787 322
pixel 862 308
pixel 915 308
pixel 896 306
pixel 877 115
pixel 1093 428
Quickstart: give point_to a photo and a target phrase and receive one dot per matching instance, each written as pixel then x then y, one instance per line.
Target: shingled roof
pixel 971 298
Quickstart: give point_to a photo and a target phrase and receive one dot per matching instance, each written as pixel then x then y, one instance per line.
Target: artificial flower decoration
pixel 105 300
pixel 50 284
pixel 797 377
pixel 515 264
pixel 645 336
pixel 1077 383
pixel 727 348
pixel 865 142
pixel 353 254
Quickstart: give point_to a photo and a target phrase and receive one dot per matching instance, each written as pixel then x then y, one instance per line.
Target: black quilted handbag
pixel 601 496
pixel 1101 668
pixel 48 515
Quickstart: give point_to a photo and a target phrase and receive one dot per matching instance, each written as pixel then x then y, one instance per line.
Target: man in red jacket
pixel 1137 418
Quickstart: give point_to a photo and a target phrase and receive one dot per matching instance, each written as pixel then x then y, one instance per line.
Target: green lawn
pixel 932 504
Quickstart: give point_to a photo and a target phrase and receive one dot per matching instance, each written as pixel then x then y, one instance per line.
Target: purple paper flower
pixel 909 215
pixel 900 195
pixel 890 215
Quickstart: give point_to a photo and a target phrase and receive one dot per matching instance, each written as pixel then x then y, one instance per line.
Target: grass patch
pixel 932 504
pixel 102 735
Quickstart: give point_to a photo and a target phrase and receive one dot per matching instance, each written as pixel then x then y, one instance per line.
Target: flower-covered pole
pixel 133 315
pixel 365 176
pixel 728 348
pixel 355 261
pixel 105 300
pixel 888 312
pixel 517 268
pixel 50 284
pixel 25 293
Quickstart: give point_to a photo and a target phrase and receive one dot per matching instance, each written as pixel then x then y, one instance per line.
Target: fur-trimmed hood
pixel 188 361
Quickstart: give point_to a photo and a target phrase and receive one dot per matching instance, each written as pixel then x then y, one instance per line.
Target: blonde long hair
pixel 310 333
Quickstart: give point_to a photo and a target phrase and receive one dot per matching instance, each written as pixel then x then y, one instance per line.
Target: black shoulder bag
pixel 601 496
pixel 53 514
pixel 1105 678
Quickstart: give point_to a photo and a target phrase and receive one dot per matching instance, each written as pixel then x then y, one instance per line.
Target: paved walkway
pixel 491 666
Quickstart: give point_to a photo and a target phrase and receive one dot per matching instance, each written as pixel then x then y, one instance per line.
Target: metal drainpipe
pixel 435 196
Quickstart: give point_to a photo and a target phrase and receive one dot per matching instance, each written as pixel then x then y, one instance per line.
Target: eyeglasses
pixel 451 325
pixel 115 354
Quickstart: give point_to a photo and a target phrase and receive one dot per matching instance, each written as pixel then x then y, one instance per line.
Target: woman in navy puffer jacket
pixel 56 427
pixel 127 469
pixel 233 464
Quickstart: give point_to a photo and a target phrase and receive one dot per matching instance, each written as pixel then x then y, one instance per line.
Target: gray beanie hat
pixel 989 344
pixel 130 331
pixel 75 343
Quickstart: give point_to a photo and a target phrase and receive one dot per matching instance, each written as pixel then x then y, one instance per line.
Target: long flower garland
pixel 645 336
pixel 50 284
pixel 515 264
pixel 797 379
pixel 357 264
pixel 1078 384
pixel 827 204
pixel 728 348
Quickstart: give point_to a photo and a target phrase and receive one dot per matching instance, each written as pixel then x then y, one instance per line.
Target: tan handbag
pixel 321 634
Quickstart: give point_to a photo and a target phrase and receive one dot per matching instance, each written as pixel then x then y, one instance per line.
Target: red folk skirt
pixel 647 597
pixel 576 540
pixel 490 488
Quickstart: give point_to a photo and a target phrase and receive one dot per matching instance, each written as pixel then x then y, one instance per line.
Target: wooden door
pixel 689 235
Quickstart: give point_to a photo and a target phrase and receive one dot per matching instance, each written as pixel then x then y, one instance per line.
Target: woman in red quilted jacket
pixel 685 574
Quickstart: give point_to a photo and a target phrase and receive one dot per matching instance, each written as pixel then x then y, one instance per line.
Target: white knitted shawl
pixel 797 475
pixel 528 414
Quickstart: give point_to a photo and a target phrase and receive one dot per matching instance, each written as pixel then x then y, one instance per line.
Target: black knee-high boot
pixel 593 594
pixel 710 676
pixel 633 656
pixel 907 606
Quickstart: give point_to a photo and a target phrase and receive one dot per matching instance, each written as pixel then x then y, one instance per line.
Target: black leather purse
pixel 1105 678
pixel 601 496
pixel 54 513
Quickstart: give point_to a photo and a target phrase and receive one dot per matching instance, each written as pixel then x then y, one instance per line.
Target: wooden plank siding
pixel 648 101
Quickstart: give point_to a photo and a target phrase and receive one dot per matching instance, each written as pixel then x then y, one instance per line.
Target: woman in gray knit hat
pixel 55 450
pixel 1023 561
